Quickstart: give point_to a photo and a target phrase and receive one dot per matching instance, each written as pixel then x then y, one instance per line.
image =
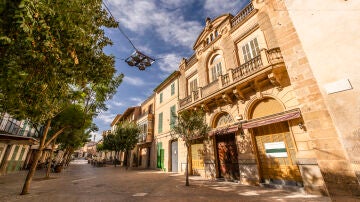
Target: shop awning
pixel 17 139
pixel 274 118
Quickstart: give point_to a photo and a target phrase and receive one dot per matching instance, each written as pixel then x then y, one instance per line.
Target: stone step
pixel 284 187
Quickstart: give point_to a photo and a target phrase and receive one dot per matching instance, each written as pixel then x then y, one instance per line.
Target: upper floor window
pixel 215 68
pixel 216 33
pixel 250 50
pixel 173 88
pixel 211 37
pixel 207 41
pixel 161 97
pixel 192 85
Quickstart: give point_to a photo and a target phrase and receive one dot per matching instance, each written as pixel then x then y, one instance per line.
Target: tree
pixel 51 53
pixel 190 125
pixel 111 143
pixel 127 134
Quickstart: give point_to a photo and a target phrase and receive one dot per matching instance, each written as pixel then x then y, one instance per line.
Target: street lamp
pixel 139 60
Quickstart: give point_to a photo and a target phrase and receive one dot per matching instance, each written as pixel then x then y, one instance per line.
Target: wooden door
pixel 276 152
pixel 227 157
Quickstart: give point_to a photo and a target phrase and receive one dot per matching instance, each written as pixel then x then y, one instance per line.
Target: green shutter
pixel 172 88
pixel 160 122
pixel 158 159
pixel 162 155
pixel 161 97
pixel 172 116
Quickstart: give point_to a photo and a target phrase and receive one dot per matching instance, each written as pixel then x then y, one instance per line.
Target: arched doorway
pixel 276 150
pixel 226 149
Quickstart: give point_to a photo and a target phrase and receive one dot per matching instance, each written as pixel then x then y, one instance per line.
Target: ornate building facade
pixel 270 122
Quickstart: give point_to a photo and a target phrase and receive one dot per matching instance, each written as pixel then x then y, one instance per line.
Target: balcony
pixel 8 126
pixel 242 15
pixel 265 61
pixel 148 136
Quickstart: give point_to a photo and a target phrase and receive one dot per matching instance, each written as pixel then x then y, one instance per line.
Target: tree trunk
pixel 26 187
pixel 51 159
pixel 115 159
pixel 5 161
pixel 187 167
pixel 69 157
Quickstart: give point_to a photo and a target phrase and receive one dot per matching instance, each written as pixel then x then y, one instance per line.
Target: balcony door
pixel 250 50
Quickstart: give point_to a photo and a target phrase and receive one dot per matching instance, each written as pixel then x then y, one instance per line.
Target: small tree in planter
pixel 190 125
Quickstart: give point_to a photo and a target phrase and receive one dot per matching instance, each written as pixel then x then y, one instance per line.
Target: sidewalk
pixel 83 182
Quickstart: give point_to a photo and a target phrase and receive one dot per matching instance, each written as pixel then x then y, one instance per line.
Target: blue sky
pixel 165 29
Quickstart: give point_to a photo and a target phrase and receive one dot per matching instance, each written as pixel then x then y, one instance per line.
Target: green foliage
pixel 100 147
pixel 50 48
pixel 127 134
pixel 77 126
pixel 190 125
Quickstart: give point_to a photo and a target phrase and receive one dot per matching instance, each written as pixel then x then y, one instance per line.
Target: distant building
pixel 16 144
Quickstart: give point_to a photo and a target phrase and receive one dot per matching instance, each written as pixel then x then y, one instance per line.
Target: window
pixel 216 33
pixel 251 50
pixel 216 68
pixel 172 116
pixel 211 37
pixel 160 125
pixel 207 41
pixel 192 86
pixel 161 97
pixel 173 88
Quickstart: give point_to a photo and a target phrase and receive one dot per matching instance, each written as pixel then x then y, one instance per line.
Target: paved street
pixel 82 182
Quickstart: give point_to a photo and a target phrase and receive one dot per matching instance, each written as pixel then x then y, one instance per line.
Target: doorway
pixel 228 167
pixel 174 156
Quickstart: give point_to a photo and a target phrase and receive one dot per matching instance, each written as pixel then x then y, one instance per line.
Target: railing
pixel 265 59
pixel 225 80
pixel 211 87
pixel 8 126
pixel 274 55
pixel 192 60
pixel 247 68
pixel 242 15
pixel 196 94
pixel 185 101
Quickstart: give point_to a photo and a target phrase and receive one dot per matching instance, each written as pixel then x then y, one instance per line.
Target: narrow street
pixel 83 182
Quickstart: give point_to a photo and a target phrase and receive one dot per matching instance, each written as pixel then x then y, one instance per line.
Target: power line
pixel 122 32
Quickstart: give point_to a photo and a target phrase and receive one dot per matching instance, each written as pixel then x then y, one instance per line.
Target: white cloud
pixel 135 81
pixel 215 8
pixel 176 3
pixel 136 100
pixel 140 15
pixel 106 117
pixel 169 62
pixel 118 104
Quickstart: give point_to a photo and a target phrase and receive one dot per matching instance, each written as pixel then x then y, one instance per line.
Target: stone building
pixel 169 153
pixel 145 143
pixel 274 98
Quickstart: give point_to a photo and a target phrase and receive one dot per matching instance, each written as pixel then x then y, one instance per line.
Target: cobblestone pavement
pixel 82 182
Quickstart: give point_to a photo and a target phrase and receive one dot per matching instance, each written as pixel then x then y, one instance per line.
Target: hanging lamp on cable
pixel 136 59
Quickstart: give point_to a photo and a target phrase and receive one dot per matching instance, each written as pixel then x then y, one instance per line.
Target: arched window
pixel 207 41
pixel 211 37
pixel 222 120
pixel 216 33
pixel 215 69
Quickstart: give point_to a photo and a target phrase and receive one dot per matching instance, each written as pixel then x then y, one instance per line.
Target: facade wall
pixel 332 61
pixel 307 44
pixel 163 138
